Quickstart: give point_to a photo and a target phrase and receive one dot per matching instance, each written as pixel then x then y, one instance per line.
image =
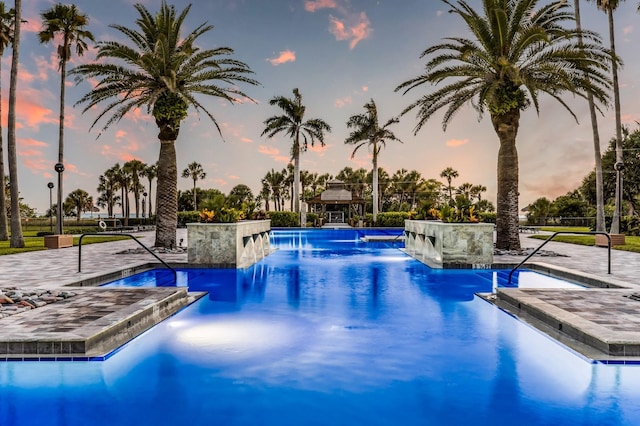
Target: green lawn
pixel 33 243
pixel 631 243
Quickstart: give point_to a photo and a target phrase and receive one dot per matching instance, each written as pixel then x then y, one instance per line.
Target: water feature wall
pixel 450 245
pixel 232 245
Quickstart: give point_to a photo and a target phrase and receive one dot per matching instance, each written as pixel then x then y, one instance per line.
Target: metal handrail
pixel 566 232
pixel 175 274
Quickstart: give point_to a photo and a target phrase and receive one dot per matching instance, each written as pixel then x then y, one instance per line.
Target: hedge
pixel 284 219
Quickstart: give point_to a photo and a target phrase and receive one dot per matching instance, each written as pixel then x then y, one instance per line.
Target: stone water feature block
pixel 235 245
pixel 450 245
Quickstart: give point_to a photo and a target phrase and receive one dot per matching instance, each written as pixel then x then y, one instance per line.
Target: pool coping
pixel 36 335
pixel 590 334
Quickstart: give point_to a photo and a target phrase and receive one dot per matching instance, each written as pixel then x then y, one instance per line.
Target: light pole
pixel 59 168
pixel 50 186
pixel 144 204
pixel 619 167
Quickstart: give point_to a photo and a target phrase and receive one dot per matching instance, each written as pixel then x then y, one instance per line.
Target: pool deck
pixel 602 324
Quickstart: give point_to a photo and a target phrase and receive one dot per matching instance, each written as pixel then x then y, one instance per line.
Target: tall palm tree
pixel 6 36
pixel 517 52
pixel 150 172
pixel 67 22
pixel 195 172
pixel 163 70
pixel 108 185
pixel 600 221
pixel 609 6
pixel 276 182
pixel 302 132
pixel 449 174
pixel 367 131
pixel 134 169
pixel 17 240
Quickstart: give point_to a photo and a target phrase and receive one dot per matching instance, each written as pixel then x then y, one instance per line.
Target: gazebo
pixel 335 203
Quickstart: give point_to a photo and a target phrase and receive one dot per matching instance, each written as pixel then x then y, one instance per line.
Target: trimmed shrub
pixel 188 217
pixel 392 219
pixel 284 219
pixel 312 218
pixel 630 225
pixel 487 217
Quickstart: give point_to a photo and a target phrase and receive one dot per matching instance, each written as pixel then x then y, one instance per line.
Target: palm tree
pixel 108 185
pixel 17 240
pixel 517 52
pixel 292 123
pixel 134 169
pixel 275 181
pixel 367 131
pixel 609 6
pixel 67 22
pixel 150 172
pixel 6 36
pixel 81 202
pixel 449 174
pixel 195 172
pixel 600 221
pixel 163 71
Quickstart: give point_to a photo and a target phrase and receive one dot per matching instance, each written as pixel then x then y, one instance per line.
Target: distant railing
pixel 175 274
pixel 552 236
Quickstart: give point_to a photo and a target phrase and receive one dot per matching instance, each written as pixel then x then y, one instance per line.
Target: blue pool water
pixel 328 331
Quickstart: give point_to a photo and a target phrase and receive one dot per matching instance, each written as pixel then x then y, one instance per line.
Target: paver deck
pixel 595 322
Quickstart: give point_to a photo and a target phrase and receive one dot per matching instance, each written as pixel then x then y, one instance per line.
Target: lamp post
pixel 59 168
pixel 144 204
pixel 619 167
pixel 50 186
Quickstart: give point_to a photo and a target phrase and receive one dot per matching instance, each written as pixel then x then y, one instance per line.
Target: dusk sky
pixel 340 54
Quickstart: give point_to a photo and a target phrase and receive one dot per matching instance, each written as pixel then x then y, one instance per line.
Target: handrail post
pixel 175 274
pixel 566 232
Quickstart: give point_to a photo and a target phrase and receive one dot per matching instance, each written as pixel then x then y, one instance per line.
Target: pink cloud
pixel 627 30
pixel 319 149
pixel 365 88
pixel 246 140
pixel 274 153
pixel 312 6
pixel 31 142
pixel 354 29
pixel 629 118
pixel 220 182
pixel 234 177
pixel 284 57
pixel 457 142
pixel 340 103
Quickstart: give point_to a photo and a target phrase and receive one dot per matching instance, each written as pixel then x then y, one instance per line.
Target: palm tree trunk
pixel 167 195
pixel 17 240
pixel 195 201
pixel 4 231
pixel 296 176
pixel 63 76
pixel 615 224
pixel 507 226
pixel 374 182
pixel 149 206
pixel 600 222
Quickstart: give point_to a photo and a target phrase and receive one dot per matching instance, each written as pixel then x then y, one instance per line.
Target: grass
pixel 565 228
pixel 631 243
pixel 33 243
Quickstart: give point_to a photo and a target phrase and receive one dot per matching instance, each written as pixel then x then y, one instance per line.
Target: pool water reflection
pixel 328 331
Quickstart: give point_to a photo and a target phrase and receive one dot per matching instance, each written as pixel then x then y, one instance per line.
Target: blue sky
pixel 340 54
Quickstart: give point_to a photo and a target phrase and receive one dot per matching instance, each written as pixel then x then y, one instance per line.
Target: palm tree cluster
pixel 126 179
pixel 401 191
pixel 516 50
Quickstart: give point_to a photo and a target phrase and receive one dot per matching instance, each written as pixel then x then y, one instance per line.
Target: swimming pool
pixel 328 330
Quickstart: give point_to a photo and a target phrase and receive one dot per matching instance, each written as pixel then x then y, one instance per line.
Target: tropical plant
pixel 303 133
pixel 17 240
pixel 517 52
pixel 609 6
pixel 81 202
pixel 274 180
pixel 195 172
pixel 367 131
pixel 449 174
pixel 150 172
pixel 162 70
pixel 134 169
pixel 6 37
pixel 68 23
pixel 107 187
